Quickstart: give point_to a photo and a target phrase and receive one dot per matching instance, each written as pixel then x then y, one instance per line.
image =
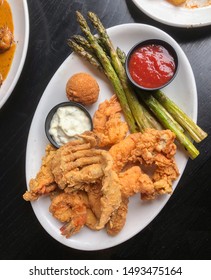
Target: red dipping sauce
pixel 151 66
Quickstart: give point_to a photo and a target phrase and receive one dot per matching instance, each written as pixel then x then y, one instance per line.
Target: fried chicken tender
pixel 107 123
pixel 153 148
pixel 157 148
pixel 165 173
pixel 44 181
pixel 153 142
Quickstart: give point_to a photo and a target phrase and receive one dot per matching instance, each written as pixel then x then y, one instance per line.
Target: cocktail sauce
pixel 151 66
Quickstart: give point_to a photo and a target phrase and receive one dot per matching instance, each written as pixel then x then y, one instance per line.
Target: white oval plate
pixel 21 34
pixel 140 214
pixel 169 14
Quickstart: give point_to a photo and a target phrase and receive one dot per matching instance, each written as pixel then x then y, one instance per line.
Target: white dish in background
pixel 21 37
pixel 169 14
pixel 140 213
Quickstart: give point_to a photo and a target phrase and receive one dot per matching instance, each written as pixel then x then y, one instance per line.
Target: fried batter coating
pixel 72 168
pixel 153 142
pixel 165 173
pixel 118 218
pixel 107 123
pixel 91 219
pixel 94 193
pixel 111 199
pixel 134 180
pixel 91 186
pixel 44 181
pixel 151 148
pixel 82 88
pixel 121 152
pixel 71 157
pixel 157 147
pixel 69 208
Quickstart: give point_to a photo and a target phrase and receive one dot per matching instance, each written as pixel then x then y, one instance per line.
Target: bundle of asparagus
pixel 155 109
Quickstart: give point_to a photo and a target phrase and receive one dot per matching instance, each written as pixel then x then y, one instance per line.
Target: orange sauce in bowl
pixel 6 20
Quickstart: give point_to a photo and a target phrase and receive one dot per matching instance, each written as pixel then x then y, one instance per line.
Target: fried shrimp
pixel 6 39
pixel 44 182
pixel 134 180
pixel 107 123
pixel 121 152
pixel 69 208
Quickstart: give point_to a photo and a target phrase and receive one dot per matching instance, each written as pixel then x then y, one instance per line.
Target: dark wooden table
pixel 182 230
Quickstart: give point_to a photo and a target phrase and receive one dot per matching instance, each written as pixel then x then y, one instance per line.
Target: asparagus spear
pixel 83 53
pixel 108 69
pixel 82 42
pixel 141 115
pixel 186 122
pixel 121 55
pixel 161 113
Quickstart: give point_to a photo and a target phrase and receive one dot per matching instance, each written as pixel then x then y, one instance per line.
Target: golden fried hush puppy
pixel 82 88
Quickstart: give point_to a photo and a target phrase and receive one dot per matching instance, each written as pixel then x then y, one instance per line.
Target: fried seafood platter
pixel 104 187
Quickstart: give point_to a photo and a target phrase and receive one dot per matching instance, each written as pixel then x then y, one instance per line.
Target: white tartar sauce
pixel 67 122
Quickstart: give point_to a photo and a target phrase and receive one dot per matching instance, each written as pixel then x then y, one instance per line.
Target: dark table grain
pixel 182 230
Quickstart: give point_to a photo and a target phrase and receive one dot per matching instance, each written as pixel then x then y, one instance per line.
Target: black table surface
pixel 182 230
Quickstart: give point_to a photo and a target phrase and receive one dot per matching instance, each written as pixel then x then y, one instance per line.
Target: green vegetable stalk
pixel 108 69
pixel 161 113
pixel 184 120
